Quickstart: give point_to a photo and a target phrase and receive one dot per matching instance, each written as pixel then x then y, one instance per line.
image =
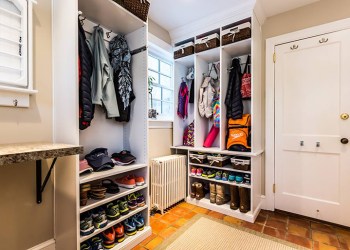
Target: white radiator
pixel 168 181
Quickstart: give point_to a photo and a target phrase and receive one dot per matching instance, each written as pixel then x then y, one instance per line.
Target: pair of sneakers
pixel 208 173
pixel 134 224
pixel 196 171
pixel 135 200
pixel 224 176
pixel 95 243
pixel 115 234
pixel 130 181
pixel 93 220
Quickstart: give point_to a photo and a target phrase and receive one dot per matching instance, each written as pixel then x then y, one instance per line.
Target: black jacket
pixel 86 108
pixel 233 100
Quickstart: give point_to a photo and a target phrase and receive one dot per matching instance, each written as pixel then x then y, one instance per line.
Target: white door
pixel 312 90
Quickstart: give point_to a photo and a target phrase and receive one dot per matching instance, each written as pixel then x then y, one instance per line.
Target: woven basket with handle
pixel 139 8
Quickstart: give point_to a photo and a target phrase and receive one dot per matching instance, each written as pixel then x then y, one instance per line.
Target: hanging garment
pixel 233 99
pixel 191 99
pixel 188 137
pixel 120 58
pixel 206 95
pixel 182 108
pixel 216 111
pixel 102 87
pixel 246 89
pixel 86 108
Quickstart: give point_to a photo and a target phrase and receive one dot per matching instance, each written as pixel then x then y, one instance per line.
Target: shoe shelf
pixel 220 181
pixel 216 150
pixel 224 209
pixel 225 168
pixel 128 243
pixel 112 223
pixel 109 198
pixel 115 171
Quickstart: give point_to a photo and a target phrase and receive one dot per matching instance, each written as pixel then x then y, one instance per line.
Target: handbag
pixel 246 88
pixel 188 136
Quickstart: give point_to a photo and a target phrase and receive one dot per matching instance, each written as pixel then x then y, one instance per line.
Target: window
pixel 162 94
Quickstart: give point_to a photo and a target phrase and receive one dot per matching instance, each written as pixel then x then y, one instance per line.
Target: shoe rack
pixel 201 61
pixel 114 136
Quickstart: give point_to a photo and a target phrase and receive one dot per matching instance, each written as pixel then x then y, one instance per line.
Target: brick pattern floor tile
pixel 296 229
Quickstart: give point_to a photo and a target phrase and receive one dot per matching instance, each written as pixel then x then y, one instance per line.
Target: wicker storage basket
pixel 208 42
pixel 241 163
pixel 139 8
pixel 237 33
pixel 198 158
pixel 218 161
pixel 184 50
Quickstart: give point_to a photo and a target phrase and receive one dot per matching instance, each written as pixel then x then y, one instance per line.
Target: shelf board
pixel 110 15
pixel 132 241
pixel 22 152
pixel 239 48
pixel 111 172
pixel 224 209
pixel 219 181
pixel 110 197
pixel 225 168
pixel 112 223
pixel 188 61
pixel 210 55
pixel 216 150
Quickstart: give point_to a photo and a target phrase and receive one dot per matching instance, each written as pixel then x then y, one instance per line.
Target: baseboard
pixel 47 245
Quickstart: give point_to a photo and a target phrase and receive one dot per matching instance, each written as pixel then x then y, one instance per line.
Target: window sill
pixel 15 97
pixel 160 124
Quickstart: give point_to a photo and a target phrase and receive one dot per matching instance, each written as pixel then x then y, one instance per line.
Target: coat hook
pixel 108 34
pixel 301 143
pixel 318 144
pixel 294 47
pixel 82 20
pixel 323 40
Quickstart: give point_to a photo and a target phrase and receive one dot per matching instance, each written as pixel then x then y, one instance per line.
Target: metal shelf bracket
pixel 40 188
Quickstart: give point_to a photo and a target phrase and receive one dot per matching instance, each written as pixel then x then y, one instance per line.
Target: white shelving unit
pixel 224 54
pixel 107 133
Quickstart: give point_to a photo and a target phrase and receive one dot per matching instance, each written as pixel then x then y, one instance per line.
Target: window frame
pixel 160 58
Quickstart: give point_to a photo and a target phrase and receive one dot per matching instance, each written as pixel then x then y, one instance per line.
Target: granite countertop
pixel 22 152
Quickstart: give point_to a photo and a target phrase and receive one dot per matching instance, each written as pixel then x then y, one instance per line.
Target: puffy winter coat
pixel 86 108
pixel 233 99
pixel 206 95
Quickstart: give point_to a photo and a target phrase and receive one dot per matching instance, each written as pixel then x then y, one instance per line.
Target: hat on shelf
pixel 99 160
pixel 123 158
pixel 84 167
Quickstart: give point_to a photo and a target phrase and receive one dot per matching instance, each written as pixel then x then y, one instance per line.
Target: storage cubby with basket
pixel 236 42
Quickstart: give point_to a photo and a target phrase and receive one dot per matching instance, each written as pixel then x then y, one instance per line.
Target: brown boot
pixel 221 197
pixel 244 195
pixel 212 193
pixel 199 191
pixel 193 190
pixel 234 204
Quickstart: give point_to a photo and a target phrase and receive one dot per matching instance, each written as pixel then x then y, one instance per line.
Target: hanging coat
pixel 103 92
pixel 233 99
pixel 120 58
pixel 86 108
pixel 206 96
pixel 182 108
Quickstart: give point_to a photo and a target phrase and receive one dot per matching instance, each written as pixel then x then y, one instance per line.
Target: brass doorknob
pixel 344 140
pixel 344 116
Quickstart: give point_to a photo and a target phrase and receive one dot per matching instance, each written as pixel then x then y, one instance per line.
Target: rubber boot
pixel 221 197
pixel 193 190
pixel 199 191
pixel 244 195
pixel 212 193
pixel 234 204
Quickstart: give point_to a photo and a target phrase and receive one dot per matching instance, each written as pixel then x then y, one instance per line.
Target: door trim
pixel 269 201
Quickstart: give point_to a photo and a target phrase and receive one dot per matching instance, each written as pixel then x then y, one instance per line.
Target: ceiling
pixel 171 14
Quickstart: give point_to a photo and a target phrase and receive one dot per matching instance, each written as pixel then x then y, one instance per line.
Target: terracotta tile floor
pixel 298 230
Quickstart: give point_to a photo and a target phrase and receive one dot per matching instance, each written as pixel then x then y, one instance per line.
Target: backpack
pixel 188 137
pixel 182 107
pixel 238 134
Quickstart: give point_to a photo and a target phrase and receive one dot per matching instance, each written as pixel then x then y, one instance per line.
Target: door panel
pixel 312 90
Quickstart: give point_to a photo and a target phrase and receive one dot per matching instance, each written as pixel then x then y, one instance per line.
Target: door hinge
pixel 274 57
pixel 274 188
